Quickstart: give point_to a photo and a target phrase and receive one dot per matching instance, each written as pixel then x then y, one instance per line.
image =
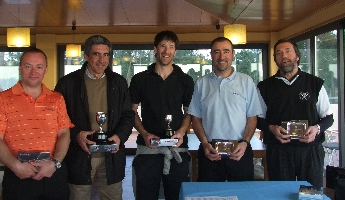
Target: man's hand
pixel 239 151
pixel 147 137
pixel 280 133
pixel 83 141
pixel 210 152
pixel 178 135
pixel 24 170
pixel 309 134
pixel 116 140
pixel 46 168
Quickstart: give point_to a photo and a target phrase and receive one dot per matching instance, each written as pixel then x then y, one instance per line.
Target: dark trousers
pixel 149 173
pixel 291 163
pixel 226 169
pixel 53 188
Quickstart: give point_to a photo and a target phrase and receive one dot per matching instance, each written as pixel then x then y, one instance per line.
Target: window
pixel 249 61
pixel 326 62
pixel 9 62
pixel 304 48
pixel 326 68
pixel 322 47
pixel 195 60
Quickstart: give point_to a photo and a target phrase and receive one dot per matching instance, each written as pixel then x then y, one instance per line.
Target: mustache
pixel 285 61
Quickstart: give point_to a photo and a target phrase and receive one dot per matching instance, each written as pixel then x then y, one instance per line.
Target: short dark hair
pixel 96 39
pixel 294 44
pixel 222 39
pixel 166 35
pixel 33 50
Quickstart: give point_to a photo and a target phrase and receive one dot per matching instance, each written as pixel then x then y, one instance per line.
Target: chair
pixel 331 146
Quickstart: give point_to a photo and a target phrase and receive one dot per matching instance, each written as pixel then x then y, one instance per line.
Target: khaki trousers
pixel 98 176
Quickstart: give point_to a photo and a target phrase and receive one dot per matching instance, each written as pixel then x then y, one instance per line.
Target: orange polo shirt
pixel 32 125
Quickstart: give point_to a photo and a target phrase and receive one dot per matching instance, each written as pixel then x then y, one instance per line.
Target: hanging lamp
pixel 73 50
pixel 18 36
pixel 236 33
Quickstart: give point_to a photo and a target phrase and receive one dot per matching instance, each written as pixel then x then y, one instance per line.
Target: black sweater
pixel 296 101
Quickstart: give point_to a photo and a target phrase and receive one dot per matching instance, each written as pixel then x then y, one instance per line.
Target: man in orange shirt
pixel 33 119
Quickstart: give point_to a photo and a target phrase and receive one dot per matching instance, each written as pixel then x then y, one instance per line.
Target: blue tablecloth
pixel 244 190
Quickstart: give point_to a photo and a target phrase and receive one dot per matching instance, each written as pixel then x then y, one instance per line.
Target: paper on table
pixel 212 198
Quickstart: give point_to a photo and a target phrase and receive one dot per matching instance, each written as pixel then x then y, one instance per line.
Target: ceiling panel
pixel 150 16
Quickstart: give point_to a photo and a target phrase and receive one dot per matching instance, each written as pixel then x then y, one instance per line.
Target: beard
pixel 287 66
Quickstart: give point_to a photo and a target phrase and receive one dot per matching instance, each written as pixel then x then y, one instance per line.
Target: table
pixel 244 190
pixel 259 150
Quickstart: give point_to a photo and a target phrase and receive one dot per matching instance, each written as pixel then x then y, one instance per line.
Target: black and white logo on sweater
pixel 304 96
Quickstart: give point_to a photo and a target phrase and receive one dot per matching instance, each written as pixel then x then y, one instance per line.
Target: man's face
pixel 98 60
pixel 286 57
pixel 222 55
pixel 32 68
pixel 165 52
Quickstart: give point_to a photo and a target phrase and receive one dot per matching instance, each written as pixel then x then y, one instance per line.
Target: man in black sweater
pixel 292 94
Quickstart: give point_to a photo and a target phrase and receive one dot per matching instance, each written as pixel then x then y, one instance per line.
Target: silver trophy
pixel 168 132
pixel 101 138
pixel 166 140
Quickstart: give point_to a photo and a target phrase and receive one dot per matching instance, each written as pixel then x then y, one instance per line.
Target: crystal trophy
pixel 101 137
pixel 224 147
pixel 166 141
pixel 295 128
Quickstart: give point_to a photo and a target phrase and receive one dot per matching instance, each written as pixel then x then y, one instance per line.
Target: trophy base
pixel 295 137
pixel 224 147
pixel 164 142
pixel 102 148
pixel 33 156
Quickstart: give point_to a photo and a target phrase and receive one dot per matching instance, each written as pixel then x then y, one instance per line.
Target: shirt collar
pixel 231 77
pixel 18 89
pixel 287 82
pixel 176 70
pixel 90 75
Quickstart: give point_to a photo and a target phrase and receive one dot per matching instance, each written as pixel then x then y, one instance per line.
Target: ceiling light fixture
pixel 18 36
pixel 73 50
pixel 236 33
